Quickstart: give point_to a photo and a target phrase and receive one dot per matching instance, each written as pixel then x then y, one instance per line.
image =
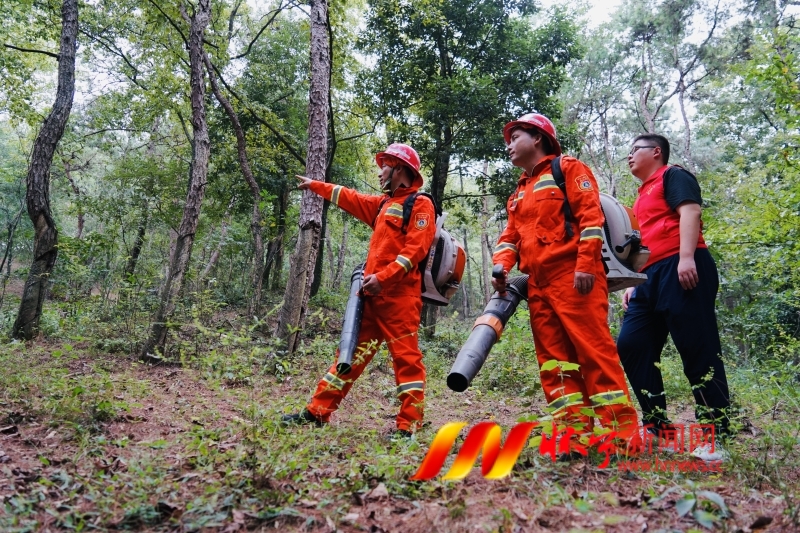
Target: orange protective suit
pixel 567 326
pixel 392 315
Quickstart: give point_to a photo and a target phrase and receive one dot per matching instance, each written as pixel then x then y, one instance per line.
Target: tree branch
pixel 113 50
pixel 359 135
pixel 32 51
pixel 260 120
pixel 232 17
pixel 274 14
pixel 466 195
pixel 172 22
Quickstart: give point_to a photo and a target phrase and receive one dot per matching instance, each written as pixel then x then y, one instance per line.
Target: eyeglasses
pixel 636 148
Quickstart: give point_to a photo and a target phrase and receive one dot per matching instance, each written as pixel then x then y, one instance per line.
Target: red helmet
pixel 541 122
pixel 407 155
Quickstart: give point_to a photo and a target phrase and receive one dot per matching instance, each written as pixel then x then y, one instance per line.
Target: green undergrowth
pixel 216 452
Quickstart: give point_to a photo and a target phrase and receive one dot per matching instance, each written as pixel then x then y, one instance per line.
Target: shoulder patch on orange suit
pixel 421 221
pixel 584 183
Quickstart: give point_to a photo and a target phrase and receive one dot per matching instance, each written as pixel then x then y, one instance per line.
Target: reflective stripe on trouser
pixel 394 319
pixel 571 327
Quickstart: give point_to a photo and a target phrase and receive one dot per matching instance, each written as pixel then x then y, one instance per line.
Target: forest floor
pixel 91 440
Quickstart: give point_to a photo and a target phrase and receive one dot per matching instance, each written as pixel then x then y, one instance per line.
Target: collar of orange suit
pixel 402 191
pixel 538 167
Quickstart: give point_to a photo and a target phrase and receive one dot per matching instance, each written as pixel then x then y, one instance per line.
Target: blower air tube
pixel 475 351
pixel 352 322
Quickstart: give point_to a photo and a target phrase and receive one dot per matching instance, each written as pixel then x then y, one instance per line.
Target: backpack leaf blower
pixel 487 330
pixel 351 326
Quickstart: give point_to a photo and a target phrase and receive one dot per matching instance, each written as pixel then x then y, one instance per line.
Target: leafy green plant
pixel 706 507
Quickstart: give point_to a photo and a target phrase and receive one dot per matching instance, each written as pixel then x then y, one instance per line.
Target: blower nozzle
pixel 352 322
pixel 485 333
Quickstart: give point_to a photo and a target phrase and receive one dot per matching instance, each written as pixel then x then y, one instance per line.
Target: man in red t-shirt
pixel 678 297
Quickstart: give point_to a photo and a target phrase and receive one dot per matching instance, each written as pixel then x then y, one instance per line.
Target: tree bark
pixel 256 225
pixel 198 175
pixel 37 197
pixel 331 153
pixel 298 288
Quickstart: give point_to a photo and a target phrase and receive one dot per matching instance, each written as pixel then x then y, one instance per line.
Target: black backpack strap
pixel 558 177
pixel 408 206
pixel 380 206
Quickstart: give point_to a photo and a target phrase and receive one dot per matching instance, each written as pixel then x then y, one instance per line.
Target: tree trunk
pixel 298 288
pixel 612 178
pixel 270 259
pixel 276 245
pixel 37 197
pixel 223 233
pixel 256 224
pixel 331 153
pixel 687 139
pixel 138 243
pixel 77 191
pixel 8 254
pixel 468 284
pixel 486 262
pixel 201 149
pixel 337 277
pixel 329 250
pixel 317 281
pixel 441 168
pixel 428 319
pixel 441 164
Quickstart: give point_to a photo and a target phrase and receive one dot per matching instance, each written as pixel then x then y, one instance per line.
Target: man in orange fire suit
pixel 567 289
pixel 391 287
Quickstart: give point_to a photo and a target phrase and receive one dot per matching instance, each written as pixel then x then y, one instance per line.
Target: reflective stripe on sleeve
pixel 592 232
pixel 335 194
pixel 404 262
pixel 505 246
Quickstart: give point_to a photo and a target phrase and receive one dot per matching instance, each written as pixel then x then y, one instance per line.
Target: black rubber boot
pixel 569 457
pixel 301 418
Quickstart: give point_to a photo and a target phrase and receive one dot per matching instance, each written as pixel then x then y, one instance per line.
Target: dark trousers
pixel 659 307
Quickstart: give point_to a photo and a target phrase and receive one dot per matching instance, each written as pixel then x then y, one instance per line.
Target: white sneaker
pixel 704 453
